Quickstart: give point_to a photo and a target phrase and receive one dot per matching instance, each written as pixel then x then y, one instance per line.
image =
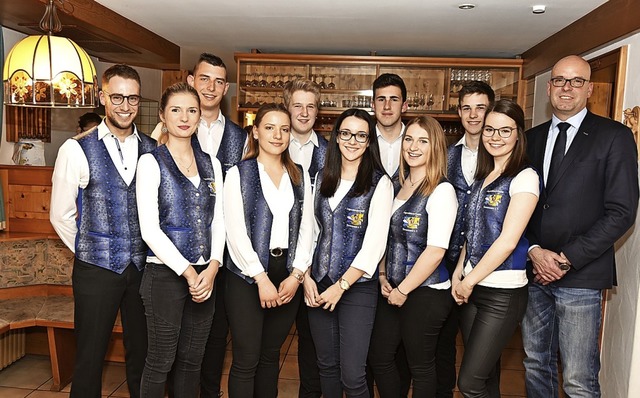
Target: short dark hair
pixel 87 119
pixel 476 87
pixel 120 70
pixel 518 159
pixel 333 162
pixel 390 79
pixel 212 60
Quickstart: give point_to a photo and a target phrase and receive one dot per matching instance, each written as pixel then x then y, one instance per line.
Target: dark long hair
pixel 254 148
pixel 333 164
pixel 518 159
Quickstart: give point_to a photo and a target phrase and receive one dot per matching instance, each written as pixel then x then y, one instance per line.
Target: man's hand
pixel 546 265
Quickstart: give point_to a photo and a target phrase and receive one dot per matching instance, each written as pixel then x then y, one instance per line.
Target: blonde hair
pixel 300 85
pixel 436 165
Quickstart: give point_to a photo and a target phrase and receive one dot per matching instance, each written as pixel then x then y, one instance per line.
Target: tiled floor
pixel 31 375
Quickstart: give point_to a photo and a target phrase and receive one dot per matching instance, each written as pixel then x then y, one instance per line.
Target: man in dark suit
pixel 590 199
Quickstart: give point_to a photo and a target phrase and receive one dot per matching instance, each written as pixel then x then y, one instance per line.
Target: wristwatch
pixel 299 276
pixel 344 284
pixel 564 266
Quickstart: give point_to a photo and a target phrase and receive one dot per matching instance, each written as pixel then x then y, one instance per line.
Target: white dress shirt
pixel 468 160
pixel 147 185
pixel 210 136
pixel 280 200
pixel 302 152
pixel 374 243
pixel 575 121
pixel 390 151
pixel 441 207
pixel 71 172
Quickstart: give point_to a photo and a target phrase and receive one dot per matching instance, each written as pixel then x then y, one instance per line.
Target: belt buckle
pixel 276 252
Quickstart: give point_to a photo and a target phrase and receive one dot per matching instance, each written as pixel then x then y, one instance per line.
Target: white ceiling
pixel 495 28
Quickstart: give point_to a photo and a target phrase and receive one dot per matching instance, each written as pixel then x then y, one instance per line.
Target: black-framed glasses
pixel 360 136
pixel 118 99
pixel 576 82
pixel 504 132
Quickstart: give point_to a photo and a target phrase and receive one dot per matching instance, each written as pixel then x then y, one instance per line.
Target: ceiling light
pixel 539 9
pixel 467 6
pixel 49 71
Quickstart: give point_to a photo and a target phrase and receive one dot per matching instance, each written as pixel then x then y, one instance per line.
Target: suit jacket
pixel 592 203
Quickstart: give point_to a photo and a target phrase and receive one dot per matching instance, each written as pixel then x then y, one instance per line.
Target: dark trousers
pixel 487 321
pixel 417 325
pixel 342 340
pixel 98 294
pixel 257 334
pixel 446 354
pixel 178 330
pixel 307 357
pixel 213 360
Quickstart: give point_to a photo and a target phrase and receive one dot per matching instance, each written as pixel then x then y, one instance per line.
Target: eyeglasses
pixel 504 132
pixel 118 99
pixel 576 82
pixel 360 136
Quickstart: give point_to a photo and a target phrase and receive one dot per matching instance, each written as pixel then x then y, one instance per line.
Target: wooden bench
pixel 51 307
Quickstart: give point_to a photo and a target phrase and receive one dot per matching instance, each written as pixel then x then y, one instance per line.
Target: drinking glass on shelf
pixel 272 79
pixel 323 85
pixel 430 102
pixel 247 80
pixel 255 82
pixel 331 85
pixel 423 101
pixel 280 80
pixel 263 81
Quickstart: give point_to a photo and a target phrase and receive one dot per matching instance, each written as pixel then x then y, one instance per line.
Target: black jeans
pixel 446 350
pixel 342 340
pixel 178 330
pixel 307 357
pixel 487 321
pixel 98 294
pixel 417 324
pixel 257 334
pixel 213 360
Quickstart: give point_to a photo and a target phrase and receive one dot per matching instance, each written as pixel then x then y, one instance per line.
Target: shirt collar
pixel 463 142
pixel 313 138
pixel 220 119
pixel 379 133
pixel 103 131
pixel 575 121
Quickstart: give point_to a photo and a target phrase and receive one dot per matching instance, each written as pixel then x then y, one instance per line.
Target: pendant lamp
pixel 49 71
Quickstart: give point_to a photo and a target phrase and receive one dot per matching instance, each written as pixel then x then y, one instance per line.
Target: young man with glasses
pixel 474 99
pixel 93 210
pixel 589 200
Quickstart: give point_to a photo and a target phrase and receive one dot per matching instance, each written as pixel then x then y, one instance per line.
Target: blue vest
pixel 186 212
pixel 463 191
pixel 258 218
pixel 231 146
pixel 108 229
pixel 317 158
pixel 341 231
pixel 484 219
pixel 408 239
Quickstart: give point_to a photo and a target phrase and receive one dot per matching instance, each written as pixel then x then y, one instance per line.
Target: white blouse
pixel 280 201
pixel 147 185
pixel 379 218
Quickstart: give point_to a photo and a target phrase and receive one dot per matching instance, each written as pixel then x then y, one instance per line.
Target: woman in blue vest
pixel 490 280
pixel 352 202
pixel 179 195
pixel 415 286
pixel 269 235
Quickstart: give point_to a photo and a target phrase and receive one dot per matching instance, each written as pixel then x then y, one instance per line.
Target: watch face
pixel 344 285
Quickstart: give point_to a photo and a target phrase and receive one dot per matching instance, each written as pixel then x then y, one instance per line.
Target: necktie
pixel 558 152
